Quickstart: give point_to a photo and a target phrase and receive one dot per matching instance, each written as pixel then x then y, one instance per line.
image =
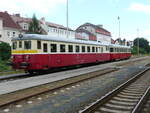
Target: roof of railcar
pixel 61 39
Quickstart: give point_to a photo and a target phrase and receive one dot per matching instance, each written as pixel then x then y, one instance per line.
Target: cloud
pixel 139 7
pixel 43 7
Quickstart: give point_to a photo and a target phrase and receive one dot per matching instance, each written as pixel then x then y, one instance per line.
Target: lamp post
pixel 119 25
pixel 138 41
pixel 67 17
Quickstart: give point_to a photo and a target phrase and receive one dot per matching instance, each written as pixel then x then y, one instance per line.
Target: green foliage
pixel 4 66
pixel 5 51
pixel 34 26
pixel 144 47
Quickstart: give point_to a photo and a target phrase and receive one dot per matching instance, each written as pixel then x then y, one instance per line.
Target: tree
pixel 144 47
pixel 5 51
pixel 34 26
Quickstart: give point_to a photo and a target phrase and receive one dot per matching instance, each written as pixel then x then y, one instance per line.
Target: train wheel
pixel 30 71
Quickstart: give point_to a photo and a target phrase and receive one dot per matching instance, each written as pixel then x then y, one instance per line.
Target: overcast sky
pixel 134 14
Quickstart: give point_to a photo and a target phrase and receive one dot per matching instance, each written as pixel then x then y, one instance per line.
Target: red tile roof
pixel 97 28
pixel 19 19
pixel 8 21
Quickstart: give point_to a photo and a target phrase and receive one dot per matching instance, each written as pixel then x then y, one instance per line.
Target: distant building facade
pixel 13 25
pixel 8 28
pixel 95 33
pixel 48 28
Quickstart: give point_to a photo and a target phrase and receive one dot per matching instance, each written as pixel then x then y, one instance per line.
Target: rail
pixel 142 101
pixel 109 95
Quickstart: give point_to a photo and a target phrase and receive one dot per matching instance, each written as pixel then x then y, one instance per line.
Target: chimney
pixel 100 25
pixel 18 15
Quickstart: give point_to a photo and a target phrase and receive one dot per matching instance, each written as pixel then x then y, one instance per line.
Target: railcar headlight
pixel 12 57
pixel 27 57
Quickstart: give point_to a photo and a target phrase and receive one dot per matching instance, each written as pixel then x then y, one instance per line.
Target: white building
pixel 8 28
pixel 96 33
pixel 48 28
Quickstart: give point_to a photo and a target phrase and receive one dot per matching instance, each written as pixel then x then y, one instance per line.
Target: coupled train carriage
pixel 34 52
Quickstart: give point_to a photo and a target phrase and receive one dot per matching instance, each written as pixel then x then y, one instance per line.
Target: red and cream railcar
pixel 38 52
pixel 118 52
pixel 34 52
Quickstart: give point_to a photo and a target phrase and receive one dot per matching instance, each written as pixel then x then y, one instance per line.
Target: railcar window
pixel 111 50
pixel 53 47
pixel 38 44
pixel 99 49
pixel 117 49
pixel 70 48
pixel 107 48
pixel 102 49
pixel 83 48
pixel 88 49
pixel 20 44
pixel 62 48
pixel 27 44
pixel 96 49
pixel 77 49
pixel 93 49
pixel 14 45
pixel 44 47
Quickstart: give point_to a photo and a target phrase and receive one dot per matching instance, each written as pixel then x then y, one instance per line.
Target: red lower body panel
pixel 119 56
pixel 46 61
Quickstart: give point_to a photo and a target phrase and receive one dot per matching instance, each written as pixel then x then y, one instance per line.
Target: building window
pixel 44 47
pixel 38 44
pixel 53 47
pixel 25 27
pixel 62 48
pixel 8 33
pixel 14 33
pixel 0 35
pixel 70 48
pixel 77 49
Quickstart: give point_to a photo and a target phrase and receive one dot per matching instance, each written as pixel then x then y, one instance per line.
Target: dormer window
pixel 13 33
pixel 8 33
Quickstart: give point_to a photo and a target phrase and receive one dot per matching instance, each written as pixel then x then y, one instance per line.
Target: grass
pixel 6 69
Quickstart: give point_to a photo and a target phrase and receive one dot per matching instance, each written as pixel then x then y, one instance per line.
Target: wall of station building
pixel 56 32
pixel 105 39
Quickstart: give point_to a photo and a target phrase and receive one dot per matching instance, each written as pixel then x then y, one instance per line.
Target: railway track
pixel 127 98
pixel 17 96
pixel 146 104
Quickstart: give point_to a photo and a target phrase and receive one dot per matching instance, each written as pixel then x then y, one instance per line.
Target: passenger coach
pixel 34 52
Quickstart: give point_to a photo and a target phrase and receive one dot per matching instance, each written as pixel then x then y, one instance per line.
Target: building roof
pixel 98 28
pixel 18 19
pixel 8 21
pixel 85 31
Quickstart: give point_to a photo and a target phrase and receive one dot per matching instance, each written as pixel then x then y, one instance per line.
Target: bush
pixel 5 51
